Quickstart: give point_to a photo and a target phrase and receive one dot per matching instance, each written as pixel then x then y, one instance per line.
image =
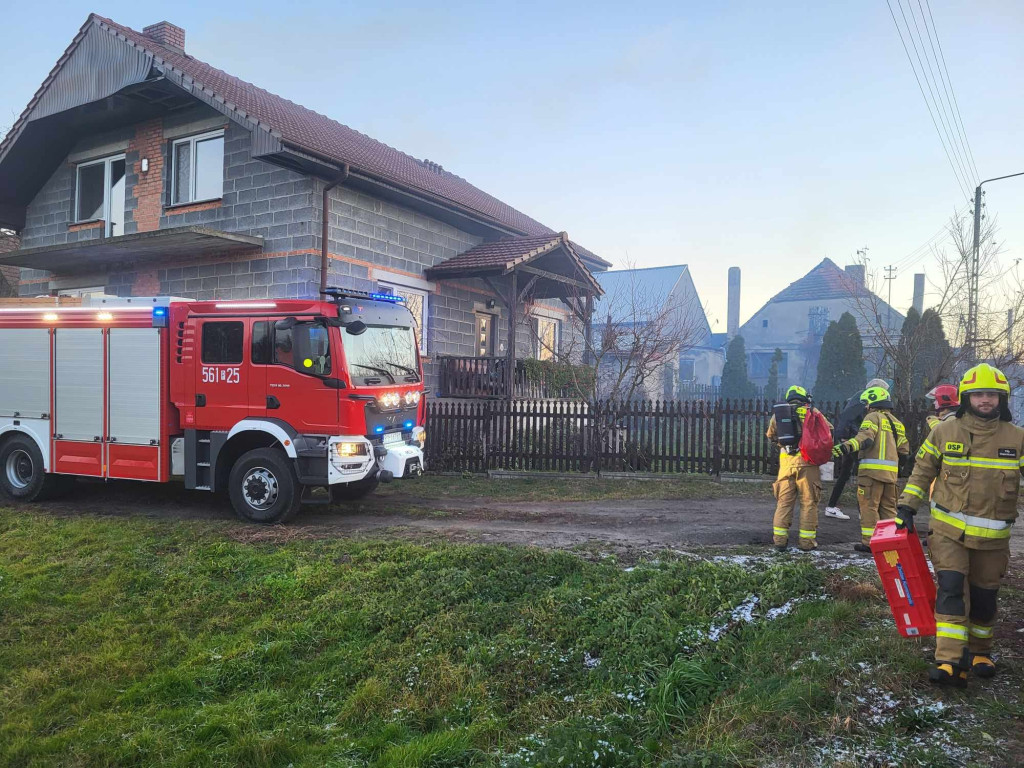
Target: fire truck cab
pixel 267 401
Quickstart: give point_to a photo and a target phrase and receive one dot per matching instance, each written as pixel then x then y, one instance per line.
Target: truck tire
pixel 22 476
pixel 356 490
pixel 263 487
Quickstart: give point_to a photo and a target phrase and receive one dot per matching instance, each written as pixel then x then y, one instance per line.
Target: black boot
pixel 949 675
pixel 982 665
pixel 862 548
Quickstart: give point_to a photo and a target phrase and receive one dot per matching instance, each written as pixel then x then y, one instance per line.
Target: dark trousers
pixel 846 464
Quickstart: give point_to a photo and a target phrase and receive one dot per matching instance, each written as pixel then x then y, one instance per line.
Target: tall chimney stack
pixel 1009 332
pixel 856 272
pixel 733 321
pixel 166 33
pixel 919 292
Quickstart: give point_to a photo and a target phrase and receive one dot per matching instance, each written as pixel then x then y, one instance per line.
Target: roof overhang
pixel 177 243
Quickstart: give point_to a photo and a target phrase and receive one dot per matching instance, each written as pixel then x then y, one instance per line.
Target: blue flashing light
pixel 160 312
pixel 159 317
pixel 387 297
pixel 378 429
pixel 409 424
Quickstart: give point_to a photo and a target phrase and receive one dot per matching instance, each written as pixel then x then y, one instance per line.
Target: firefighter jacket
pixel 934 420
pixel 882 439
pixel 976 464
pixel 790 458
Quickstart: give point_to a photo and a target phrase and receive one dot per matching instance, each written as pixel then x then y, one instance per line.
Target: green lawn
pixel 137 642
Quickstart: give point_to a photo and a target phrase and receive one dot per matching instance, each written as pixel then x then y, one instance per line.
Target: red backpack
pixel 816 440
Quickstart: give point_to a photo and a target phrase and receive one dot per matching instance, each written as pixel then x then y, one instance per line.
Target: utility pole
pixel 973 274
pixel 890 275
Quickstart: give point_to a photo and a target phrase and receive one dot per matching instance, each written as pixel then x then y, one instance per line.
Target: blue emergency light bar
pixel 387 297
pixel 337 294
pixel 159 317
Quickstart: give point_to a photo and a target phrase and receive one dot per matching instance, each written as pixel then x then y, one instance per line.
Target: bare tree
pixel 636 338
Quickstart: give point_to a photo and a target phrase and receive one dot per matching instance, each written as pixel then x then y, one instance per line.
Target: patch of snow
pixel 590 662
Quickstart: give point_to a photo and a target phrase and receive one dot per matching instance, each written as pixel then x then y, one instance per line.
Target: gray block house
pixel 137 169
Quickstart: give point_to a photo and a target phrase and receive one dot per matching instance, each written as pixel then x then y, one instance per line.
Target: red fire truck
pixel 266 400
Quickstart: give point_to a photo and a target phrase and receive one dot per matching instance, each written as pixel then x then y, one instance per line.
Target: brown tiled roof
pixel 308 130
pixel 506 253
pixel 825 281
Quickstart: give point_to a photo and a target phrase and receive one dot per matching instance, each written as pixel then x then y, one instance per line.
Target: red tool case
pixel 908 583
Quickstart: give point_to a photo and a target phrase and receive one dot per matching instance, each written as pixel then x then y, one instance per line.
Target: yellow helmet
pixel 876 397
pixel 798 394
pixel 984 378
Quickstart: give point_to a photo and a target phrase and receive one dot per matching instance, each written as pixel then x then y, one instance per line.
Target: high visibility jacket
pixel 934 420
pixel 788 461
pixel 976 464
pixel 882 439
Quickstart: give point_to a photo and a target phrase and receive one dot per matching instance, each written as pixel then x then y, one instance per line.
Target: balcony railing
pixel 485 378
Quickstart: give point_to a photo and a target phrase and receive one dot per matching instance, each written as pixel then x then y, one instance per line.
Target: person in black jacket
pixel 847 425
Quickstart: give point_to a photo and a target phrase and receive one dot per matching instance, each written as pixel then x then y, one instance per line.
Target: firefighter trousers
pixel 877 501
pixel 965 603
pixel 797 483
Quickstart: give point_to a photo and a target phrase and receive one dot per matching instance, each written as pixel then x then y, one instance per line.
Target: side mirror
pixel 356 327
pixel 287 324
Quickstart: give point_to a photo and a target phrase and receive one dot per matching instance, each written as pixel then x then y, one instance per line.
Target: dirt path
pixel 643 523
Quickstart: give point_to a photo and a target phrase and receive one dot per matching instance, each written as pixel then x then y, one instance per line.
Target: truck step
pixel 202 488
pixel 202 463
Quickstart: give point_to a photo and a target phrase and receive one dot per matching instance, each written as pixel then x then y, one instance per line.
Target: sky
pixel 760 135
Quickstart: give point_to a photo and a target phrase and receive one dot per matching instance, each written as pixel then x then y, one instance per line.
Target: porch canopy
pixel 525 268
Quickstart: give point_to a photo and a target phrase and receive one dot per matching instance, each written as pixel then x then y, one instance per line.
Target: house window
pixel 99 194
pixel 222 343
pixel 416 301
pixel 197 172
pixel 764 323
pixel 82 293
pixel 686 370
pixel 546 338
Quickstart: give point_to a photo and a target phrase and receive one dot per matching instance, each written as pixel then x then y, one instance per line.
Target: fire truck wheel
pixel 21 471
pixel 263 487
pixel 356 490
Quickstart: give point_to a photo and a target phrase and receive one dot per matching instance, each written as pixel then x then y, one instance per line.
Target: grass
pixel 137 642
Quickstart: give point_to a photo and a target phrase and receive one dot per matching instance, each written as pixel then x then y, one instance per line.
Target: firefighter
pixel 847 426
pixel 946 400
pixel 881 441
pixel 975 459
pixel 798 479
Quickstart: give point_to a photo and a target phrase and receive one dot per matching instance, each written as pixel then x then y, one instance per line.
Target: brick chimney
pixel 856 272
pixel 166 33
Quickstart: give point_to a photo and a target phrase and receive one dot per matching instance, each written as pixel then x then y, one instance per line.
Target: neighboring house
pixel 137 169
pixel 9 276
pixel 665 296
pixel 795 321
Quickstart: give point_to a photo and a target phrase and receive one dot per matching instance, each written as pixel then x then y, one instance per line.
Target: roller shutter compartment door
pixel 78 390
pixel 133 403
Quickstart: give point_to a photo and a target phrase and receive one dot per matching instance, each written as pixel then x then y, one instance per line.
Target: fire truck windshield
pixel 381 351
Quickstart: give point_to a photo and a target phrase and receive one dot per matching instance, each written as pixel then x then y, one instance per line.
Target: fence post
pixel 716 465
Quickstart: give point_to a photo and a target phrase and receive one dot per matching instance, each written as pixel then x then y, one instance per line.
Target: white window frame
pixel 693 364
pixel 98 290
pixel 192 141
pixel 398 289
pixel 106 162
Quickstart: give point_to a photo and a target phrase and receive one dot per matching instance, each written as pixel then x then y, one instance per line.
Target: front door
pixel 301 357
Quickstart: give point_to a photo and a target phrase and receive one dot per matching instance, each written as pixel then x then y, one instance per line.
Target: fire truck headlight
pixel 389 400
pixel 419 434
pixel 347 450
pixel 412 398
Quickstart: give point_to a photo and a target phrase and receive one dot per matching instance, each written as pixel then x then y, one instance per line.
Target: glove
pixel 905 517
pixel 837 451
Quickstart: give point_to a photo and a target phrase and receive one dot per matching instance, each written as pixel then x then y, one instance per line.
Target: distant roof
pixel 651 286
pixel 305 129
pixel 826 281
pixel 718 340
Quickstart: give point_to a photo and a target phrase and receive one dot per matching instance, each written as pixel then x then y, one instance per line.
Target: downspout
pixel 325 215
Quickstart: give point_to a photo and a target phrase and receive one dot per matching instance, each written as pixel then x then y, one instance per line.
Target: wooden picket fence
pixel 675 437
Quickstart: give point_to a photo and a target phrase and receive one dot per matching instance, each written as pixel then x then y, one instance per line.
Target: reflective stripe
pixel 854 443
pixel 807 534
pixel 1021 463
pixel 867 531
pixel 929 447
pixel 955 631
pixel 955 461
pixel 869 425
pixel 971 525
pixel 983 632
pixel 914 490
pixel 782 531
pixel 883 465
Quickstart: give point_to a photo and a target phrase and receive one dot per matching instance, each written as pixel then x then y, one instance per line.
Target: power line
pixel 963 188
pixel 946 108
pixel 956 105
pixel 938 107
